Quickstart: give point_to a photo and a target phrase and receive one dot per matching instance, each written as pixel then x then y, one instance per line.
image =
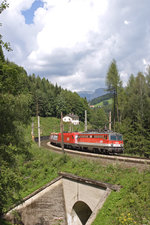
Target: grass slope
pixel 129 206
pixel 103 103
pixel 52 124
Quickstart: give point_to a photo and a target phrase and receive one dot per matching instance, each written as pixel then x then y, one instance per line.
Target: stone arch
pixel 82 211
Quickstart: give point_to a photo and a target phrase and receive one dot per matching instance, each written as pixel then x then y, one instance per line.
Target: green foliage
pixel 2 57
pixel 20 97
pixel 136 138
pixel 3 6
pixel 43 96
pixel 131 203
pixel 6 45
pixel 49 100
pixel 113 78
pixel 131 109
pixel 114 86
pixel 12 143
pixel 135 125
pixel 44 166
pixel 105 103
pixel 14 79
pixel 14 116
pixel 126 219
pixel 98 119
pixel 68 102
pixel 101 99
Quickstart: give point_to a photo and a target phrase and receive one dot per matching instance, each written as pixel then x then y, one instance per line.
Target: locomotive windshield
pixel 114 137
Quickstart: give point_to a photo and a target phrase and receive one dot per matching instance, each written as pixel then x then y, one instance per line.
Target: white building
pixel 74 119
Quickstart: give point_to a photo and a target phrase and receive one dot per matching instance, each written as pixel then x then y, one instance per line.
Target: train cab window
pixel 113 137
pixel 119 138
pixel 116 137
pixel 72 137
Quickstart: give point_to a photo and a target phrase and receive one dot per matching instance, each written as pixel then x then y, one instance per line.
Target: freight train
pixel 106 142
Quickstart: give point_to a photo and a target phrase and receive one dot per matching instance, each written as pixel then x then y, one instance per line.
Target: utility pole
pixel 70 126
pixel 85 120
pixel 110 120
pixel 32 132
pixel 62 133
pixel 37 108
pixel 39 137
pixel 114 109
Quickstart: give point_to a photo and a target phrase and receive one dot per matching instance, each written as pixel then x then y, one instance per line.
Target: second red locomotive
pixel 98 142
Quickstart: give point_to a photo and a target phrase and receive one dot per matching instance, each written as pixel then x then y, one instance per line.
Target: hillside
pixel 52 124
pixel 103 100
pixel 89 95
pixel 44 165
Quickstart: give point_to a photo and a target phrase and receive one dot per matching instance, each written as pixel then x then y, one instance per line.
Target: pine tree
pixel 113 84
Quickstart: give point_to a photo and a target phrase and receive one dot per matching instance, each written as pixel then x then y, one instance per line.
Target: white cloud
pixel 127 22
pixel 17 5
pixel 145 62
pixel 67 25
pixel 124 77
pixel 73 42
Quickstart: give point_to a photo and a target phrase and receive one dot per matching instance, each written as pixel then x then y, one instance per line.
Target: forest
pixel 131 109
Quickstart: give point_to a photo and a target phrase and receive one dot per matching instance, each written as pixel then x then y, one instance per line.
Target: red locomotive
pixel 98 142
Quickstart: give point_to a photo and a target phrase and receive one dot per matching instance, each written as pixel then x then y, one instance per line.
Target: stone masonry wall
pixel 46 209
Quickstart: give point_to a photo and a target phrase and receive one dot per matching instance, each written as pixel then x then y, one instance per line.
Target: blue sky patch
pixel 29 14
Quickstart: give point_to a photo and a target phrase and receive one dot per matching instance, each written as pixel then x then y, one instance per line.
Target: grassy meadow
pixel 102 103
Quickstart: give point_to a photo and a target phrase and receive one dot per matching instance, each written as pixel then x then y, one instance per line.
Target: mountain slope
pixel 89 95
pixel 100 99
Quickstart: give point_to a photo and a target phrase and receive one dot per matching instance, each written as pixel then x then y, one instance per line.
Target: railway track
pixel 126 161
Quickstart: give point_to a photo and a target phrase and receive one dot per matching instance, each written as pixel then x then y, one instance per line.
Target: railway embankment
pixel 122 160
pixel 118 158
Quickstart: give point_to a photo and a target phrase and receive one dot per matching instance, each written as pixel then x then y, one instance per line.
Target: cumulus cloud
pixel 127 22
pixel 72 43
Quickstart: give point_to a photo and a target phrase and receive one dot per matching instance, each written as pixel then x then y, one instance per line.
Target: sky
pixel 73 42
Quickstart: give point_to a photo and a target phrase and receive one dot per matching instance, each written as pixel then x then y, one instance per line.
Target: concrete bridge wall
pixel 45 208
pixel 91 195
